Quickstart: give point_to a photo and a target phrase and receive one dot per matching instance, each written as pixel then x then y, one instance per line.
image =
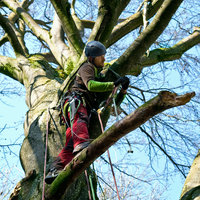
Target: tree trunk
pixel 191 188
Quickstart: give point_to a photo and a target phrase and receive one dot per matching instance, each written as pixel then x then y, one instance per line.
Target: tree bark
pixel 191 188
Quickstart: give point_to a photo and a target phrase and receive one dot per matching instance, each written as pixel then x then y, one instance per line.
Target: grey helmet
pixel 94 49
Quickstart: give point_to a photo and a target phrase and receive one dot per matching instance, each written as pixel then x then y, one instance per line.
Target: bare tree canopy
pixel 153 42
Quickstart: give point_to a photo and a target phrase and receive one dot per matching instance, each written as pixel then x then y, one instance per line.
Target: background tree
pixel 47 51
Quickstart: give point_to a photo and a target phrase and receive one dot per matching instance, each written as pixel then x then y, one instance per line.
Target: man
pixel 78 105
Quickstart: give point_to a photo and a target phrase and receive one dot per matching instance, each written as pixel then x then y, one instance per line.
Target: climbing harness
pixel 71 104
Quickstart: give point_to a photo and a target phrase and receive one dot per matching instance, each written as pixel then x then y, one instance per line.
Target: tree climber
pixel 79 104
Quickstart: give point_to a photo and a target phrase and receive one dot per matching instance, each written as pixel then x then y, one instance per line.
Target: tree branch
pixel 133 54
pixel 164 151
pixel 10 67
pixel 132 23
pixel 36 29
pixel 163 101
pixel 12 37
pixel 49 57
pixel 4 39
pixel 63 11
pixel 12 18
pixel 57 45
pixel 77 21
pixel 107 18
pixel 191 189
pixel 167 54
pixel 88 23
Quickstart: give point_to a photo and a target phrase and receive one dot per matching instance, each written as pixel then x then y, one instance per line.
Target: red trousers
pixel 73 138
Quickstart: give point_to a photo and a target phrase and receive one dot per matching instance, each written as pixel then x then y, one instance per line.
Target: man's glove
pixel 124 81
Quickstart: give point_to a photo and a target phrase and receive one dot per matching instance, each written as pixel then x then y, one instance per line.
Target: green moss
pixel 36 62
pixel 61 73
pixel 10 71
pixel 69 66
pixel 7 70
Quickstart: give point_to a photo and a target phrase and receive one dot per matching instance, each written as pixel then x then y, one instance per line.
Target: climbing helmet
pixel 94 49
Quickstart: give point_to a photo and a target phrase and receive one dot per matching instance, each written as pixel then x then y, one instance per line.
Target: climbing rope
pixel 45 156
pixel 102 129
pixel 88 185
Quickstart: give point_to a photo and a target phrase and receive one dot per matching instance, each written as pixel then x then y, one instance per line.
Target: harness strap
pixel 68 104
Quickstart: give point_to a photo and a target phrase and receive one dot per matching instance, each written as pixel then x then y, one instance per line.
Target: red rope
pixel 88 184
pixel 45 157
pixel 102 129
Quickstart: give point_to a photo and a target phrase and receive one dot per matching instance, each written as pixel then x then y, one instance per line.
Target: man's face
pixel 99 61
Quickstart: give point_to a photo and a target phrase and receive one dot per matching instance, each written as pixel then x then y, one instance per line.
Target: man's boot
pixel 52 174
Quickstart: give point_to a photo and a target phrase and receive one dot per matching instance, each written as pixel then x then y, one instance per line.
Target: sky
pixel 12 115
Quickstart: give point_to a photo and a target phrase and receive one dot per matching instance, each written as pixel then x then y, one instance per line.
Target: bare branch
pixel 48 57
pixel 132 23
pixel 12 36
pixel 107 18
pixel 192 186
pixel 163 150
pixel 63 11
pixel 4 39
pixel 57 45
pixel 77 21
pixel 37 30
pixel 12 18
pixel 88 23
pixel 167 54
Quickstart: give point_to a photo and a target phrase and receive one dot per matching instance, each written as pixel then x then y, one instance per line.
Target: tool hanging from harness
pixel 70 103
